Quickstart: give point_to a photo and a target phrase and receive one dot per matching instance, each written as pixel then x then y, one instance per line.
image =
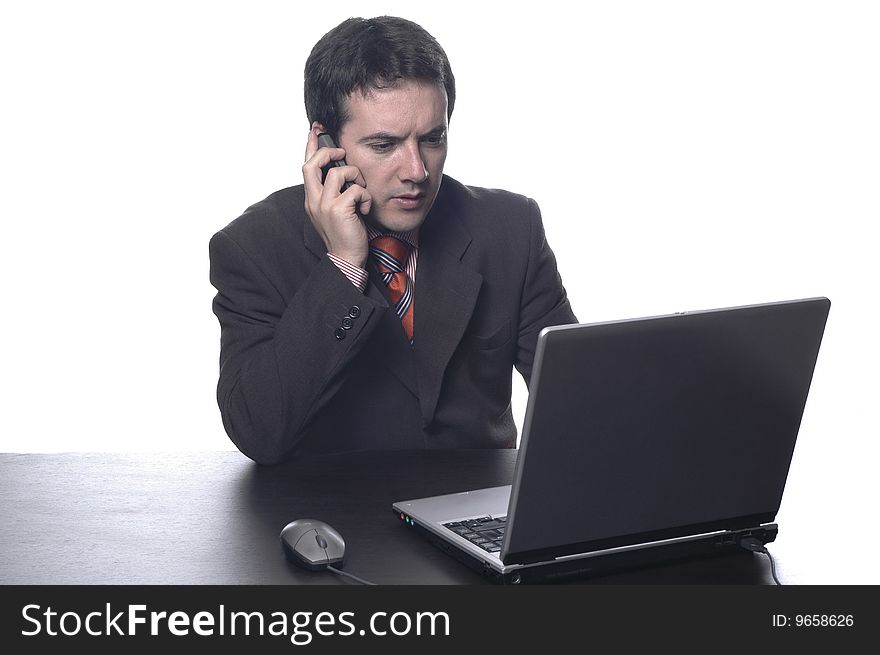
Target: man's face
pixel 397 138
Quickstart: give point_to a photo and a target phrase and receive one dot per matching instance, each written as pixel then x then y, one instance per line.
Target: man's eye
pixel 435 140
pixel 382 146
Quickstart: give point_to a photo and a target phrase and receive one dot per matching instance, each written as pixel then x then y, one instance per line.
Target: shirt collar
pixel 411 237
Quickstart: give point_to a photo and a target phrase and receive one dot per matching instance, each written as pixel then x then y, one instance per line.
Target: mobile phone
pixel 326 141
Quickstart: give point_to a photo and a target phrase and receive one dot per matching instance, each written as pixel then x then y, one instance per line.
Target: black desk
pixel 215 518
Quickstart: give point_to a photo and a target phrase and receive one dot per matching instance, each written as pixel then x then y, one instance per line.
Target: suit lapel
pixel 445 295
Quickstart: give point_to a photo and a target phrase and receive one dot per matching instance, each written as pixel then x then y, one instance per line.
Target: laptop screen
pixel 661 427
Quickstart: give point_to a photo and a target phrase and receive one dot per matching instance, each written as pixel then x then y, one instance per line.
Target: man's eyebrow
pixel 379 136
pixel 388 136
pixel 437 131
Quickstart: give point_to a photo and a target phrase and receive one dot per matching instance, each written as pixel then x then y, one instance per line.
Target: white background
pixel 685 155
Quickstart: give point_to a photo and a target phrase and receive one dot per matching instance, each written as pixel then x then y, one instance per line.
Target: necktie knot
pixel 389 252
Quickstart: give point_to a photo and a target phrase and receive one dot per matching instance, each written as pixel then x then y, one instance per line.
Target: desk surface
pixel 215 518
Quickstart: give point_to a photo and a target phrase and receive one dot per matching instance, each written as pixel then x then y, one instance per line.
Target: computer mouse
pixel 312 544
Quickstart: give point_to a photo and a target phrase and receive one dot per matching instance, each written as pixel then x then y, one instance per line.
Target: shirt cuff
pixel 355 274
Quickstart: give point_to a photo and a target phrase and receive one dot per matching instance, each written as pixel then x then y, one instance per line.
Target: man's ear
pixel 317 128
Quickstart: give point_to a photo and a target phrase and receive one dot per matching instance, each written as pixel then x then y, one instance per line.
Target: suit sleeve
pixel 281 359
pixel 544 300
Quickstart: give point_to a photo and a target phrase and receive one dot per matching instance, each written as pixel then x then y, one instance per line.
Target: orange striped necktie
pixel 390 255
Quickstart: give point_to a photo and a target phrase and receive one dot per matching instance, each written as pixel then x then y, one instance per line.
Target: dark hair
pixel 370 53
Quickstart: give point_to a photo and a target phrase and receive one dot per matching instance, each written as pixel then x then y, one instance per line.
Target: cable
pixel 349 575
pixel 756 546
pixel 772 566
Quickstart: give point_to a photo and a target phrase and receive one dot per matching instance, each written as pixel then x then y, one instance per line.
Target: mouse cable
pixel 349 575
pixel 755 545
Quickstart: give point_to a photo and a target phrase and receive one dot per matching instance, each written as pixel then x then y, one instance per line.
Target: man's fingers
pixel 311 145
pixel 311 169
pixel 337 178
pixel 363 201
pixel 323 193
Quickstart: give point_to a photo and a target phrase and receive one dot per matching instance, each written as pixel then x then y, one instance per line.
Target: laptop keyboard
pixel 487 532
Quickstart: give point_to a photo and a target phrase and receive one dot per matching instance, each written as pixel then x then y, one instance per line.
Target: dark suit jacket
pixel 486 284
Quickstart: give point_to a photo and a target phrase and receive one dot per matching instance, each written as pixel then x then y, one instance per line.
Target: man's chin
pixel 395 222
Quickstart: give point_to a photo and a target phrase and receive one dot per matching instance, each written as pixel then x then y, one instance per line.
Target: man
pixel 388 314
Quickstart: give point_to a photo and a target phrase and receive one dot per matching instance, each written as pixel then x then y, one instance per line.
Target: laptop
pixel 644 440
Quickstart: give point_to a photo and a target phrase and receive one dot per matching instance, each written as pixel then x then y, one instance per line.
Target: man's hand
pixel 334 214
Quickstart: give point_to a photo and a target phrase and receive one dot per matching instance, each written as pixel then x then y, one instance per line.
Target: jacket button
pixel 355 311
pixel 339 334
pixel 347 323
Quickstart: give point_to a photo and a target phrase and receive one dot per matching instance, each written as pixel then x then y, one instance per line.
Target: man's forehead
pixel 410 104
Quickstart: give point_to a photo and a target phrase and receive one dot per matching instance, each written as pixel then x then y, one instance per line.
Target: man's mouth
pixel 409 200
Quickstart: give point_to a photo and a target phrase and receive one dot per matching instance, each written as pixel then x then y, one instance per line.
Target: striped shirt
pixel 359 277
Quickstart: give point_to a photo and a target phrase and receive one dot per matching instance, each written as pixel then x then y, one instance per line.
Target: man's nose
pixel 413 167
